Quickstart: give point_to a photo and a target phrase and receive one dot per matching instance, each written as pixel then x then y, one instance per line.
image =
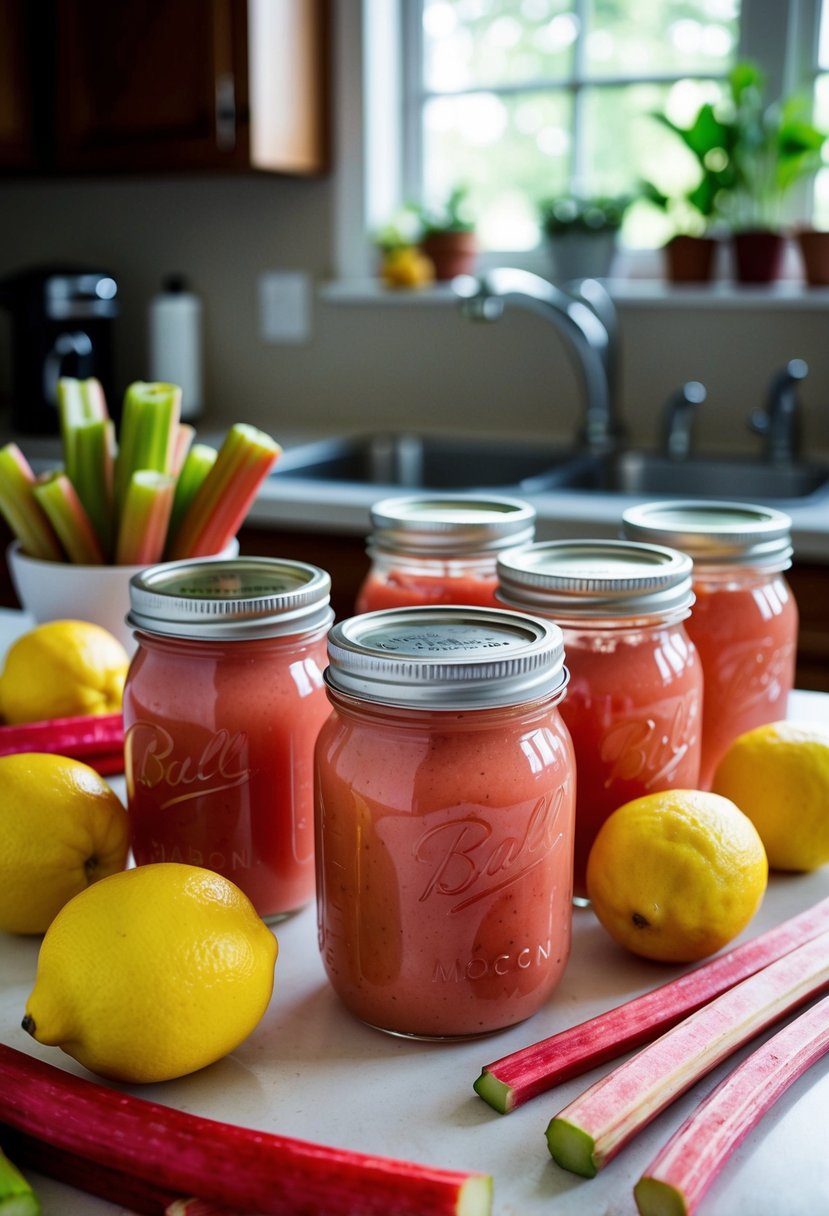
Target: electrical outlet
pixel 285 307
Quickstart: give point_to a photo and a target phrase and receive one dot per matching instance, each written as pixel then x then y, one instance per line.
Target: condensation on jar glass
pixel 745 619
pixel 444 790
pixel 440 549
pixel 634 701
pixel 222 705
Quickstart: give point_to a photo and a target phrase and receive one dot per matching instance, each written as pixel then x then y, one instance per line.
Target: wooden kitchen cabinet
pixel 21 136
pixel 175 85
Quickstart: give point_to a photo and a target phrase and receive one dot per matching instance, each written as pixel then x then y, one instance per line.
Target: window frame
pixel 377 128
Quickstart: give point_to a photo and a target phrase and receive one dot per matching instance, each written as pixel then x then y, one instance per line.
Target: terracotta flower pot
pixel 758 255
pixel 451 253
pixel 814 252
pixel 690 259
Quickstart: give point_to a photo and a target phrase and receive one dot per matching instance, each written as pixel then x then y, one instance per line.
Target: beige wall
pixel 369 365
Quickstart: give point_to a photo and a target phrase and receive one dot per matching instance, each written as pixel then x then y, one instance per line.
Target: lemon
pixel 152 973
pixel 61 828
pixel 62 669
pixel 779 776
pixel 676 875
pixel 407 266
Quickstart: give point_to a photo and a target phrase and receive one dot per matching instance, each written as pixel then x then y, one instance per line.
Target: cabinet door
pixel 152 84
pixel 18 133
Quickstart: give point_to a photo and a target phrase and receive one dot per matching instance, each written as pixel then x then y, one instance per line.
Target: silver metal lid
pixel 440 525
pixel 715 533
pixel 446 658
pixel 234 598
pixel 574 579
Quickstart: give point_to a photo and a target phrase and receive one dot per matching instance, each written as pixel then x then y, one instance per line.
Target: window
pixel 523 99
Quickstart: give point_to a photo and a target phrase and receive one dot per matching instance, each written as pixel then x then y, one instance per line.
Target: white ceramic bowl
pixel 60 591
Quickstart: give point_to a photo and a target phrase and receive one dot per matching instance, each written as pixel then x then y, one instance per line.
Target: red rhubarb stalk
pixel 21 510
pixel 524 1074
pixel 590 1131
pixel 224 497
pixel 681 1173
pixel 59 500
pixel 247 1170
pixel 142 532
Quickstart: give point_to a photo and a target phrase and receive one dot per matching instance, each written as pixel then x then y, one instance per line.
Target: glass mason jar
pixel 222 705
pixel 634 701
pixel 440 549
pixel 444 787
pixel 745 620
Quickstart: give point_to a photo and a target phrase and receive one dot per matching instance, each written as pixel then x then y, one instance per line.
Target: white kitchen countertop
pixel 310 1070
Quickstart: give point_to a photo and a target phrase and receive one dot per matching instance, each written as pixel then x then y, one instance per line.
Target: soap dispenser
pixel 175 340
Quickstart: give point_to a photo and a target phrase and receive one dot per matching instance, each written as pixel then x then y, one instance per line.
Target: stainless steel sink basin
pixel 644 474
pixel 436 462
pixel 427 462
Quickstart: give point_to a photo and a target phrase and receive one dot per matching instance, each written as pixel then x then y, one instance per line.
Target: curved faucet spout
pixel 586 332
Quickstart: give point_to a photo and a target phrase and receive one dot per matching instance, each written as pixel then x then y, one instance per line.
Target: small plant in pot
pixel 582 233
pixel 448 235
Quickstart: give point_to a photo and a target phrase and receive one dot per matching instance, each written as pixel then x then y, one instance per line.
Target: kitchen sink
pixel 428 462
pixel 435 462
pixel 644 474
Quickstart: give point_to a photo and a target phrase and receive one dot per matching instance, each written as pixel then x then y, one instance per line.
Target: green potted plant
pixel 582 233
pixel 448 236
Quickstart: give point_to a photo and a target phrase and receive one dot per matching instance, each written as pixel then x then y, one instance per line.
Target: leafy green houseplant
pixel 582 233
pixel 447 235
pixel 749 154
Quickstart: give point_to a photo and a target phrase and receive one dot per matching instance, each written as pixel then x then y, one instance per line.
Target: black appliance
pixel 62 320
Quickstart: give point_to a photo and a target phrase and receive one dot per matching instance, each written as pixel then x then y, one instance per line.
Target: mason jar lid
pixel 596 578
pixel 715 533
pixel 233 598
pixel 440 525
pixel 446 658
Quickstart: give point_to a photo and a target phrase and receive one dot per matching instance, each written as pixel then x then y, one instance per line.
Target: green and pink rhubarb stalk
pixel 145 517
pixel 223 499
pixel 524 1074
pixel 59 501
pixel 197 464
pixel 94 477
pixel 17 1197
pixel 185 437
pixel 591 1130
pixel 149 424
pixel 245 1170
pixel 79 402
pixel 680 1175
pixel 21 510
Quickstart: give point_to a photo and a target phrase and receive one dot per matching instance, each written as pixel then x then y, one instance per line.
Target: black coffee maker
pixel 61 326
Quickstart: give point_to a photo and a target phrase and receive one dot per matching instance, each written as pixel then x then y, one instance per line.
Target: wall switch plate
pixel 285 307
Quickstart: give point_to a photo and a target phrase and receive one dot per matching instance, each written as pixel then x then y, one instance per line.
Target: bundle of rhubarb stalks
pixel 683 1030
pixel 148 494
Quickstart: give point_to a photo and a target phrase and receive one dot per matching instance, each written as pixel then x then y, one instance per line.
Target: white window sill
pixel 635 292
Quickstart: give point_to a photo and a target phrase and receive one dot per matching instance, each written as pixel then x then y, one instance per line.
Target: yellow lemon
pixel 62 669
pixel 676 875
pixel 61 828
pixel 407 266
pixel 152 973
pixel 779 776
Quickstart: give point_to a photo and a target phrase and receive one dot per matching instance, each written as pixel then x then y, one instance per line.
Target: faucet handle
pixel 778 422
pixel 678 416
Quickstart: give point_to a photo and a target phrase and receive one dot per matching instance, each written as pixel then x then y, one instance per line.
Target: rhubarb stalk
pixel 93 478
pixel 148 432
pixel 524 1074
pixel 21 510
pixel 679 1176
pixel 197 464
pixel 146 513
pixel 591 1130
pixel 79 402
pixel 224 497
pixel 17 1198
pixel 59 500
pixel 245 1170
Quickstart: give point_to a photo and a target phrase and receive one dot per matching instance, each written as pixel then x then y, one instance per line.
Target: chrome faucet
pixel 586 318
pixel 678 418
pixel 779 422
